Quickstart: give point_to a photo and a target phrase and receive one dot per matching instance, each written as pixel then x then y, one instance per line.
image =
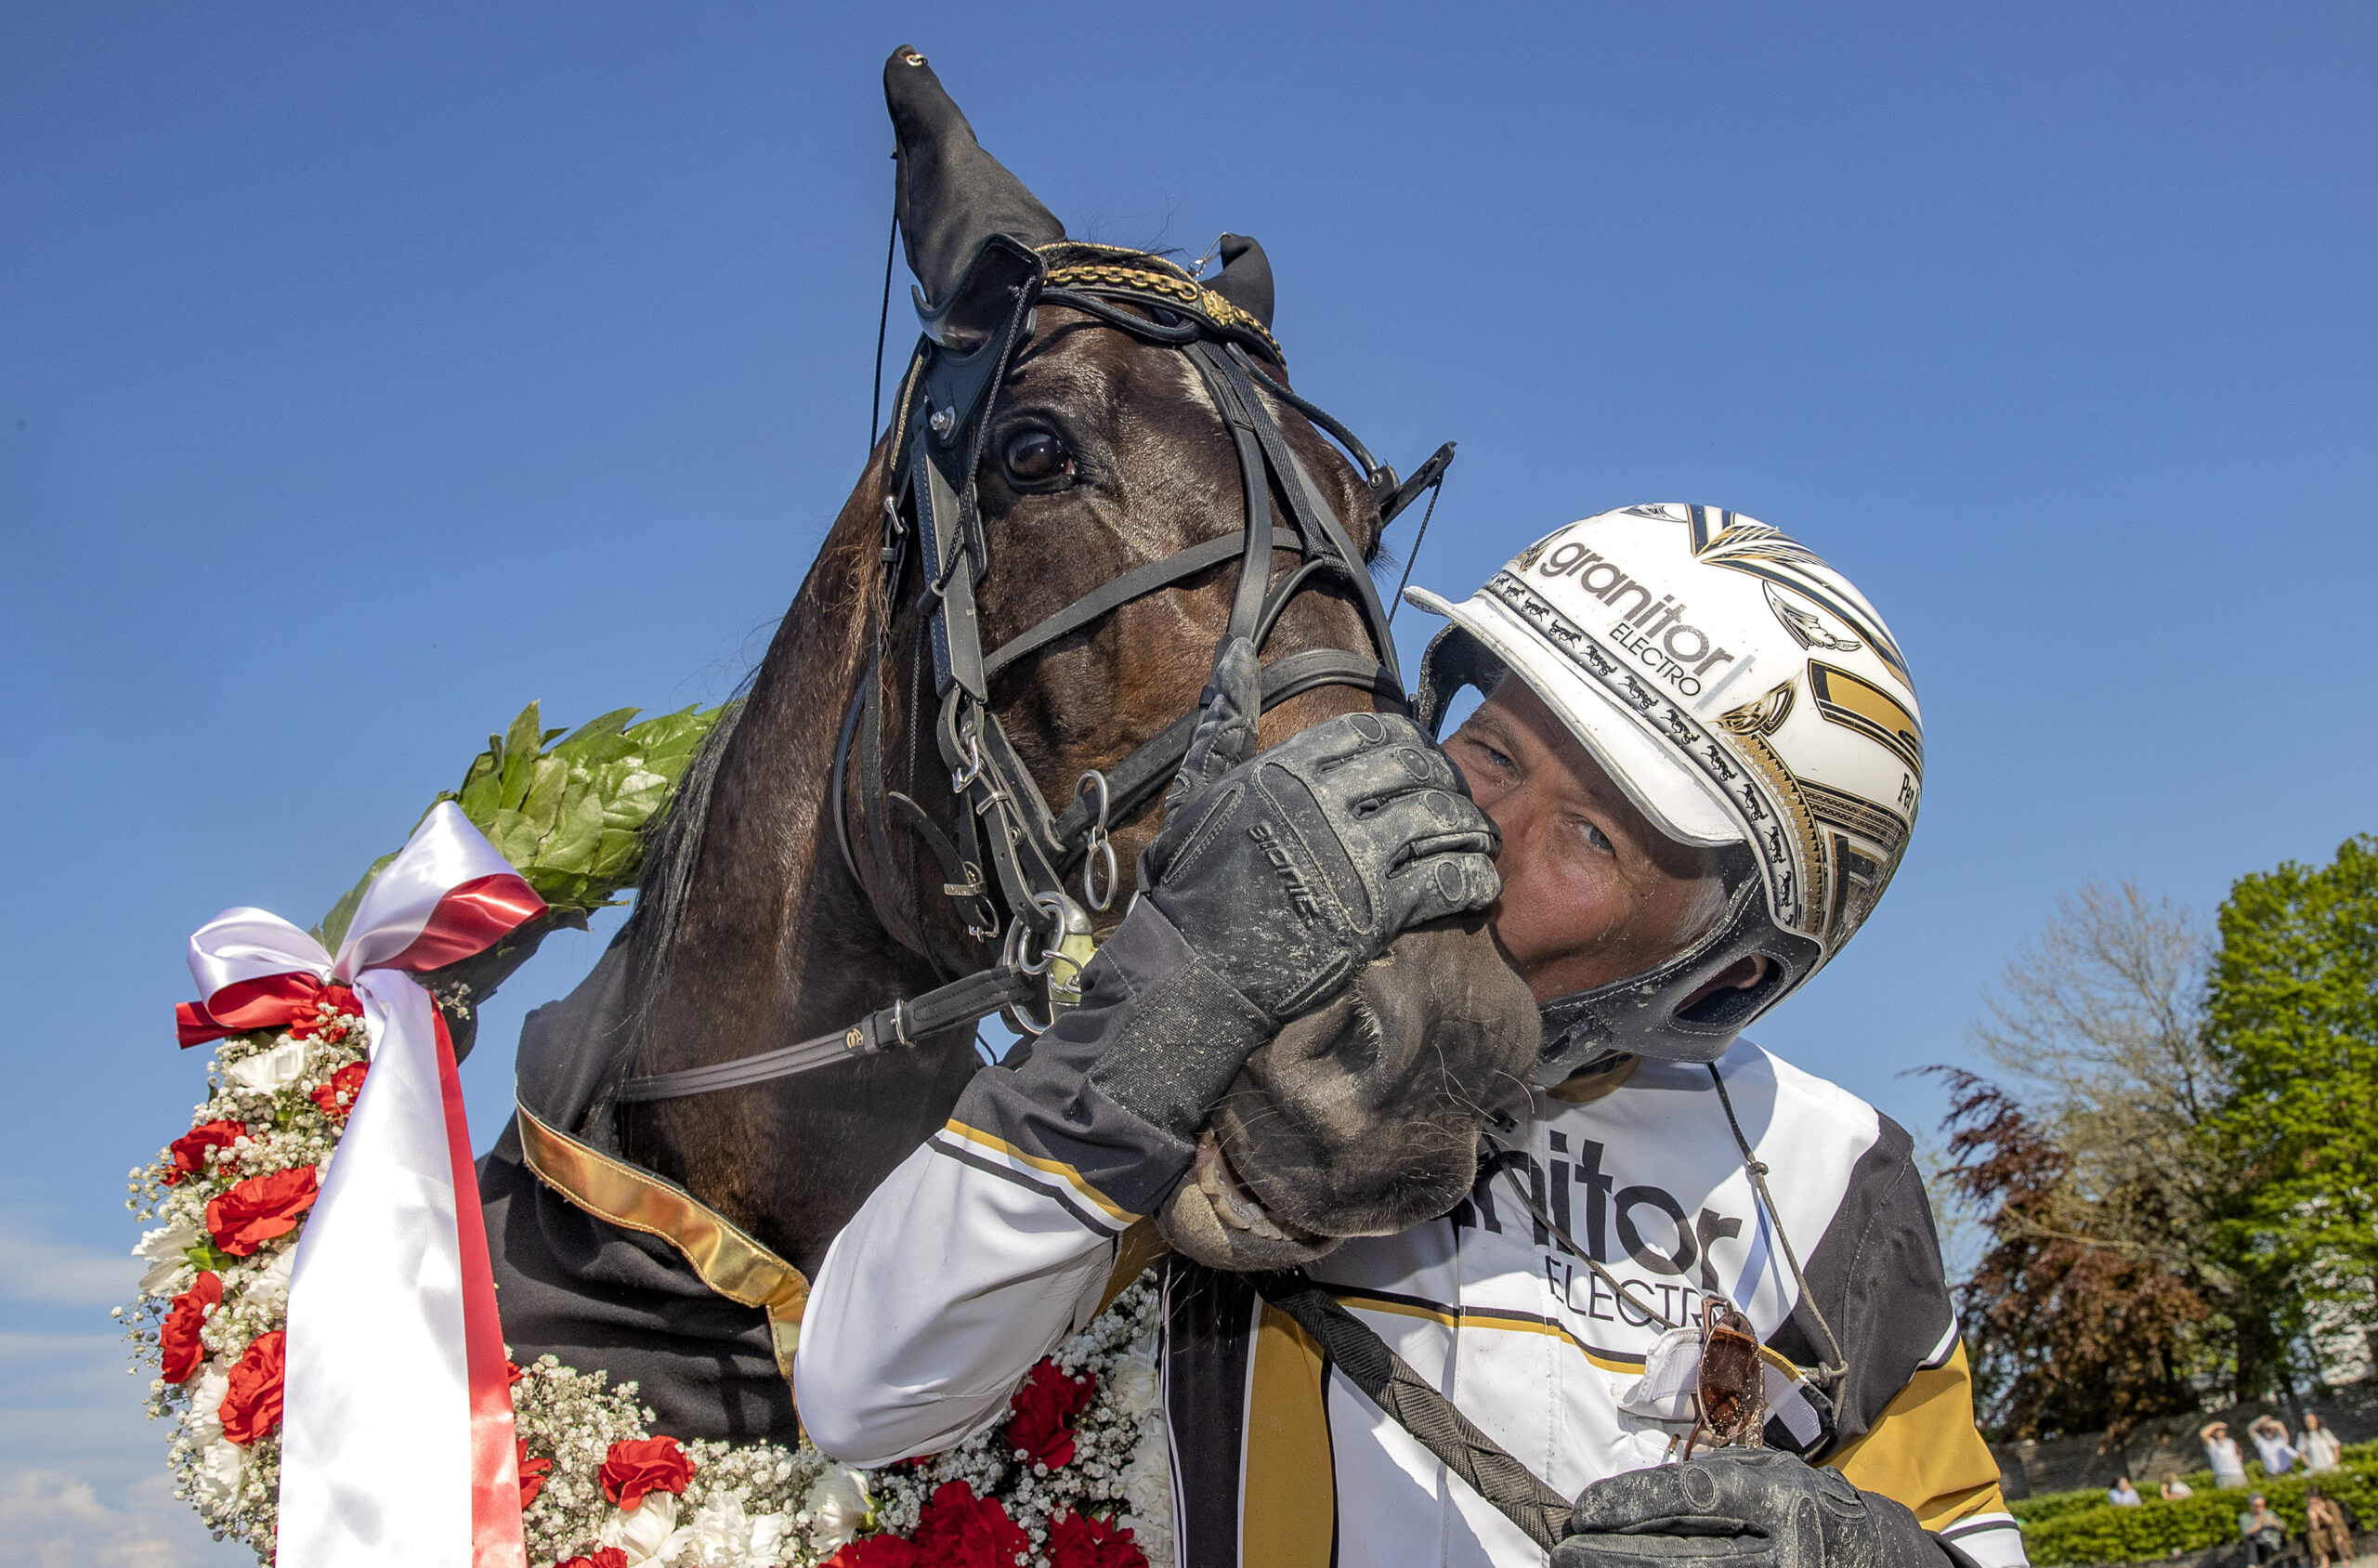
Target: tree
pixel 2291 1014
pixel 2093 1174
pixel 2071 1332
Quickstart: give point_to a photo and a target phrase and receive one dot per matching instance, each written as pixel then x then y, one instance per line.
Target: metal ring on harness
pixel 1098 849
pixel 1069 944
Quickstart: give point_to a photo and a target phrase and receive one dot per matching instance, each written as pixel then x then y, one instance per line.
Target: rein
pixel 1007 868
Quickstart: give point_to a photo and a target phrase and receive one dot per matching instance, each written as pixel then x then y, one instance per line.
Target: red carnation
pixel 641 1465
pixel 336 1098
pixel 189 1149
pixel 178 1338
pixel 604 1557
pixel 876 1551
pixel 1045 1408
pixel 252 1408
pixel 260 1208
pixel 342 1001
pixel 1076 1540
pixel 532 1473
pixel 960 1530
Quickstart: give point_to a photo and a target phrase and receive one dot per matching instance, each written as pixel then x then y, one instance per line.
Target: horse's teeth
pixel 1244 1214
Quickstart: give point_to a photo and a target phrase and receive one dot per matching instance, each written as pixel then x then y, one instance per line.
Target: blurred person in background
pixel 2325 1530
pixel 2271 1445
pixel 2264 1532
pixel 2322 1452
pixel 2221 1451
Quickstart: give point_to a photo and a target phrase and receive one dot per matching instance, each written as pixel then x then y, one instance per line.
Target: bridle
pixel 1007 868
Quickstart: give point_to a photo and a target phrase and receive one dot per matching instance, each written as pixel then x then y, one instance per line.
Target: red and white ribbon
pixel 397 1435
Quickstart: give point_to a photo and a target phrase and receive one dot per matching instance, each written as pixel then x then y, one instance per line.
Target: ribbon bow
pixel 397 1432
pixel 448 895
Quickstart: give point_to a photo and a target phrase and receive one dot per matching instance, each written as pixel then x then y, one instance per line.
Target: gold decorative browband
pixel 1164 282
pixel 723 1256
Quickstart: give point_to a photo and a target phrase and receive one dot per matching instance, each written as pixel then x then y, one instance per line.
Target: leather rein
pixel 1007 868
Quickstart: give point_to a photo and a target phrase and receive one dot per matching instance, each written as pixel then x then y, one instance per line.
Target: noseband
pixel 1007 869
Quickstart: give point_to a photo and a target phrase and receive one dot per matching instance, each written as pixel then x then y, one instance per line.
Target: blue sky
pixel 365 373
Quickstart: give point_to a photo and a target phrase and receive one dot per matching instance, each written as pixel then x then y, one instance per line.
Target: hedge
pixel 2062 1528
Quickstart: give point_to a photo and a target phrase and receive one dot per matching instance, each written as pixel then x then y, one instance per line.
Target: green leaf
pixel 570 814
pixel 331 930
pixel 206 1255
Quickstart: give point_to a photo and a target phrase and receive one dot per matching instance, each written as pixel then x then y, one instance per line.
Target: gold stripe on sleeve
pixel 1926 1452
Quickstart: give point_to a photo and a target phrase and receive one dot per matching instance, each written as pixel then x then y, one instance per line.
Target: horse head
pixel 966 713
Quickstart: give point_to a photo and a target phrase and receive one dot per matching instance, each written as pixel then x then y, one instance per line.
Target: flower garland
pixel 1077 1476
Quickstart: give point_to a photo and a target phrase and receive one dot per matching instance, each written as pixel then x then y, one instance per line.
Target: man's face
pixel 1592 892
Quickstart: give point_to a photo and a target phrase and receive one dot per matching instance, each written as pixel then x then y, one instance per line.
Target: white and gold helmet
pixel 1741 693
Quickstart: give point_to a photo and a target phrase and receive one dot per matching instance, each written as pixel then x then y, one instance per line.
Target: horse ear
pixel 1245 278
pixel 952 195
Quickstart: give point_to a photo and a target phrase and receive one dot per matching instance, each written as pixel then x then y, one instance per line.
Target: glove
pixel 1741 1508
pixel 1282 874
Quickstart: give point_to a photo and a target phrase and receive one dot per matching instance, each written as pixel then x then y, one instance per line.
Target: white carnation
pixel 204 1422
pixel 1135 1385
pixel 1147 1495
pixel 647 1533
pixel 720 1537
pixel 270 1070
pixel 269 1289
pixel 837 1505
pixel 769 1533
pixel 218 1476
pixel 163 1250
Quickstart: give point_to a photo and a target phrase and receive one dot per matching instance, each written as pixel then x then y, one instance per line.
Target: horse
pixel 1088 457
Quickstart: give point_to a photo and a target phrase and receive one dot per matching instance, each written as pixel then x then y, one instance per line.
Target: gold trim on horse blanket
pixel 722 1255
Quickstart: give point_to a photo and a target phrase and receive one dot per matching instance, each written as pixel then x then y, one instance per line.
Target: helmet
pixel 1741 694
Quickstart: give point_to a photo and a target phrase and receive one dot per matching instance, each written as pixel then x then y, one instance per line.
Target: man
pixel 2264 1532
pixel 2122 1495
pixel 1701 756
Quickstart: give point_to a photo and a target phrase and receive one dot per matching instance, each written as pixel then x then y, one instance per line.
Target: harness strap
pixel 1438 1425
pixel 1141 777
pixel 1134 584
pixel 904 1023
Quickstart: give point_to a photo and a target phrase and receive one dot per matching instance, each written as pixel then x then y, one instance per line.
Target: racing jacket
pixel 1005 1233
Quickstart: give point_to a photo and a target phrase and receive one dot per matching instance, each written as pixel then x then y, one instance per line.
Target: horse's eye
pixel 1035 457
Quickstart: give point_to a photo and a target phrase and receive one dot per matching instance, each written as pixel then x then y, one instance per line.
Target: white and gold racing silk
pixel 995 1241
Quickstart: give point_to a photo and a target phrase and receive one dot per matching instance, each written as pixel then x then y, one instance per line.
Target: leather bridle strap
pixel 901 1023
pixel 1137 583
pixel 1005 827
pixel 1408 1400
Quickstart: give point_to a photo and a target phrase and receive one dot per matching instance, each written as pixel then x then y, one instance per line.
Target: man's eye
pixel 1594 836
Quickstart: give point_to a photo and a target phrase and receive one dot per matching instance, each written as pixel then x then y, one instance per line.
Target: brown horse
pixel 773 908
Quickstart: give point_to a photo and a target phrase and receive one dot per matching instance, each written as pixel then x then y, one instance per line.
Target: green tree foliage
pixel 2119 1279
pixel 2291 1016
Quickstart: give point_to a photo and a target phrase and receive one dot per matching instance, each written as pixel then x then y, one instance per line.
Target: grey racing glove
pixel 1283 873
pixel 1743 1507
